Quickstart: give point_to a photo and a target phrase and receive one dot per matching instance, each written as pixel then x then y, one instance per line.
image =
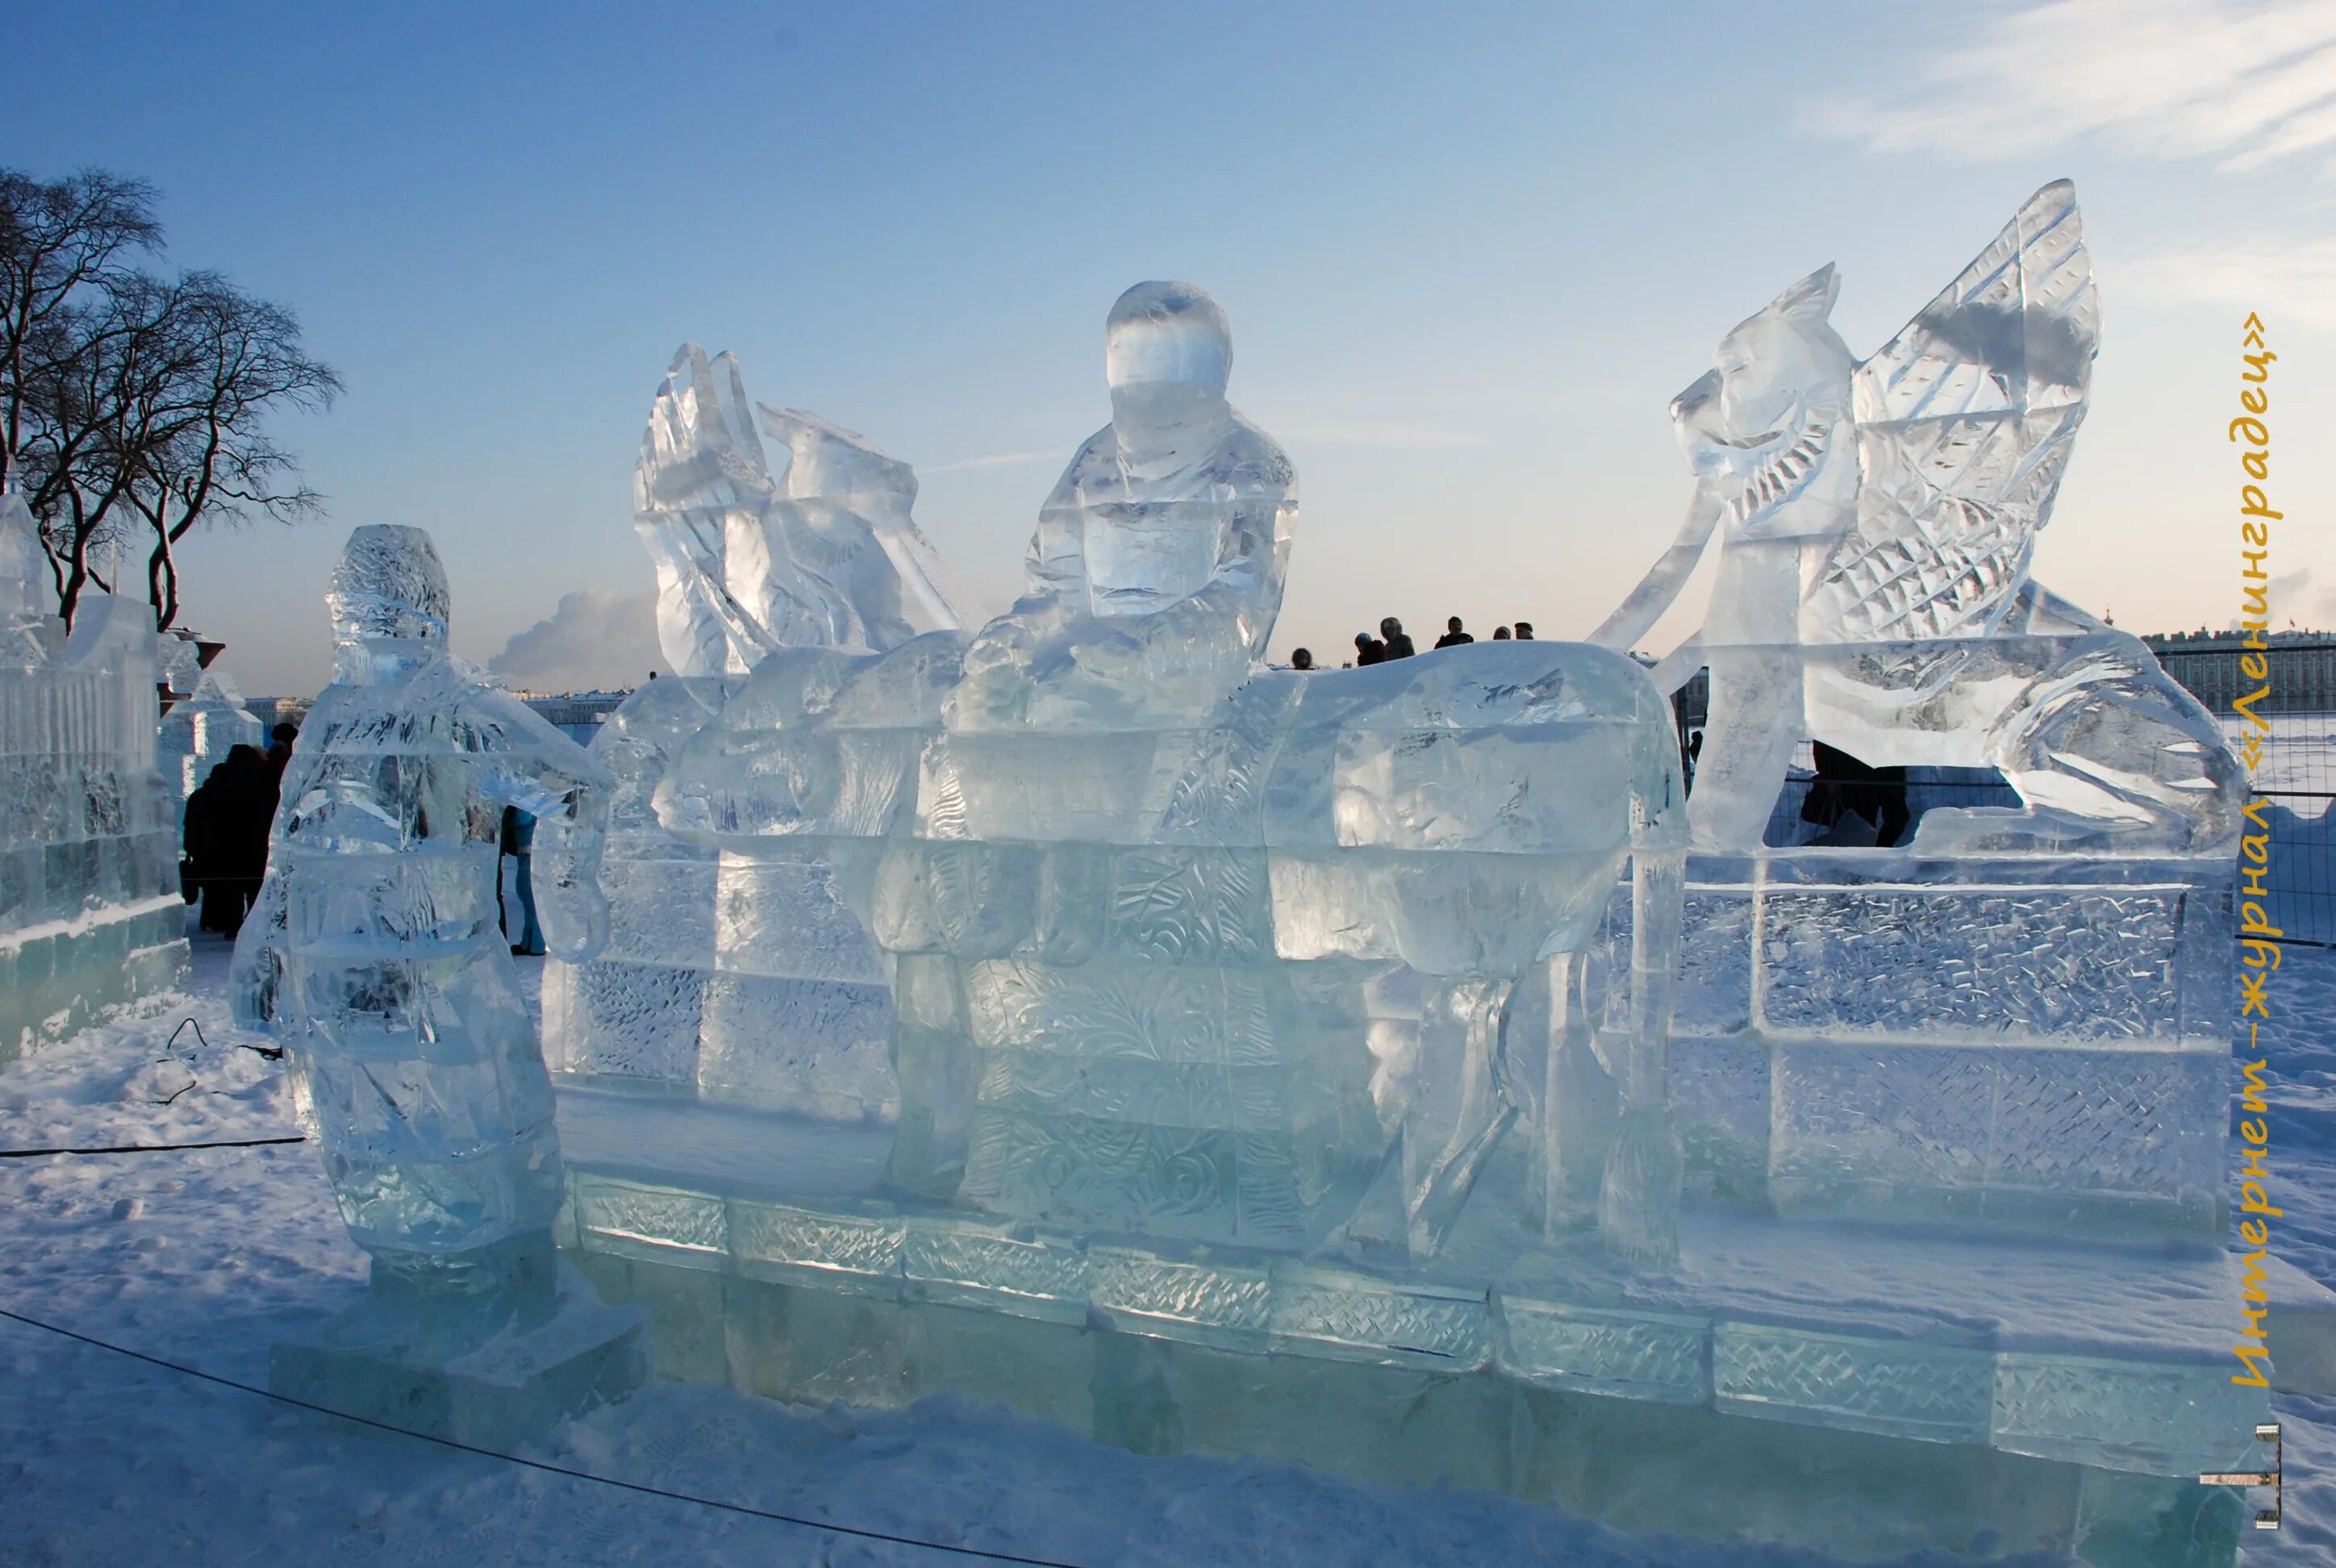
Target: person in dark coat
pixel 280 747
pixel 1524 631
pixel 1398 642
pixel 1500 634
pixel 518 842
pixel 1368 649
pixel 1452 635
pixel 198 841
pixel 228 821
pixel 246 816
pixel 1301 659
pixel 1846 786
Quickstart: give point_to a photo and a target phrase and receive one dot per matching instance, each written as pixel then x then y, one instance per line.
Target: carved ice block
pixel 2037 1041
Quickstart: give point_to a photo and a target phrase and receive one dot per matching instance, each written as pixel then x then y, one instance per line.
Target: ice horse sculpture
pixel 771 530
pixel 91 921
pixel 376 954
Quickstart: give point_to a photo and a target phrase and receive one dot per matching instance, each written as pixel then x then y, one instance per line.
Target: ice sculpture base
pixel 1864 1389
pixel 418 1369
pixel 59 978
pixel 2034 1043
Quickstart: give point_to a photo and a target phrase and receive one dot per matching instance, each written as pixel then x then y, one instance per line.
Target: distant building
pixel 577 715
pixel 2301 676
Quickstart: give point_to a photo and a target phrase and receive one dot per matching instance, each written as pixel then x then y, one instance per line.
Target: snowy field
pixel 203 1258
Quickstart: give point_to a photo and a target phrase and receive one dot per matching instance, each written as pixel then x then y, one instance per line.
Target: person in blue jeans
pixel 519 842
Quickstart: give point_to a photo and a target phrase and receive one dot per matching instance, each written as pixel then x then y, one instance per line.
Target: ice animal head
pixel 1780 381
pixel 1168 352
pixel 389 587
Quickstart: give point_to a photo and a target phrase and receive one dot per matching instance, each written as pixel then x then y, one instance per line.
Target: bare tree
pixel 58 242
pixel 136 406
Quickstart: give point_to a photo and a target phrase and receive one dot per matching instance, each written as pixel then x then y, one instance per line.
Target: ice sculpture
pixel 1877 521
pixel 819 553
pixel 376 954
pixel 1156 571
pixel 770 568
pixel 91 921
pixel 1138 894
pixel 197 732
pixel 1280 1062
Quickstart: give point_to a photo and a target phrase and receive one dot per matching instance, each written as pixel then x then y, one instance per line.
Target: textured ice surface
pixel 89 917
pixel 816 549
pixel 198 730
pixel 1877 521
pixel 374 949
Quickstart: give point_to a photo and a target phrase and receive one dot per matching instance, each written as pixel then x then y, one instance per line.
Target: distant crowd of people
pixel 223 854
pixel 1394 642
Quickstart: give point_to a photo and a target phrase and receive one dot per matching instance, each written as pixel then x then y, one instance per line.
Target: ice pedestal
pixel 1854 1391
pixel 494 1367
pixel 1899 1318
pixel 2036 1041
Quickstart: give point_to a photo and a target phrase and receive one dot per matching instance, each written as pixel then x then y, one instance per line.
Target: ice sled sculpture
pixel 1141 898
pixel 91 921
pixel 773 531
pixel 375 952
pixel 1877 520
pixel 1279 1064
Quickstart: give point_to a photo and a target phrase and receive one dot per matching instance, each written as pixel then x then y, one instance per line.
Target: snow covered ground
pixel 203 1258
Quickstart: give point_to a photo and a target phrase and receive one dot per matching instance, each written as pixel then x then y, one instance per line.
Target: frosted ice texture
pixel 198 731
pixel 815 549
pixel 90 919
pixel 375 950
pixel 1877 521
pixel 634 1011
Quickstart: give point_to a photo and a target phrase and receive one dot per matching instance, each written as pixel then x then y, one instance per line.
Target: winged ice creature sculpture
pixel 1877 523
pixel 821 552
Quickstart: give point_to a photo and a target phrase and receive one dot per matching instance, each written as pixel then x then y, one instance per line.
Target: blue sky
pixel 1469 253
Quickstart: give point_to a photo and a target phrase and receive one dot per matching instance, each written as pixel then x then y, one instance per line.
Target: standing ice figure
pixel 1156 570
pixel 1878 519
pixel 375 956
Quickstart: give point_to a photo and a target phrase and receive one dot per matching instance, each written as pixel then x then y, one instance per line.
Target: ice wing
pixel 1964 424
pixel 701 464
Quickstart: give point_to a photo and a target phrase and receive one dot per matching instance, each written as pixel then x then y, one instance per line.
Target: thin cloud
pixel 995 460
pixel 2288 282
pixel 2244 81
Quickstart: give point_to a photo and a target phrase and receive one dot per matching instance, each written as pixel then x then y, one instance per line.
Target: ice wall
pixel 91 921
